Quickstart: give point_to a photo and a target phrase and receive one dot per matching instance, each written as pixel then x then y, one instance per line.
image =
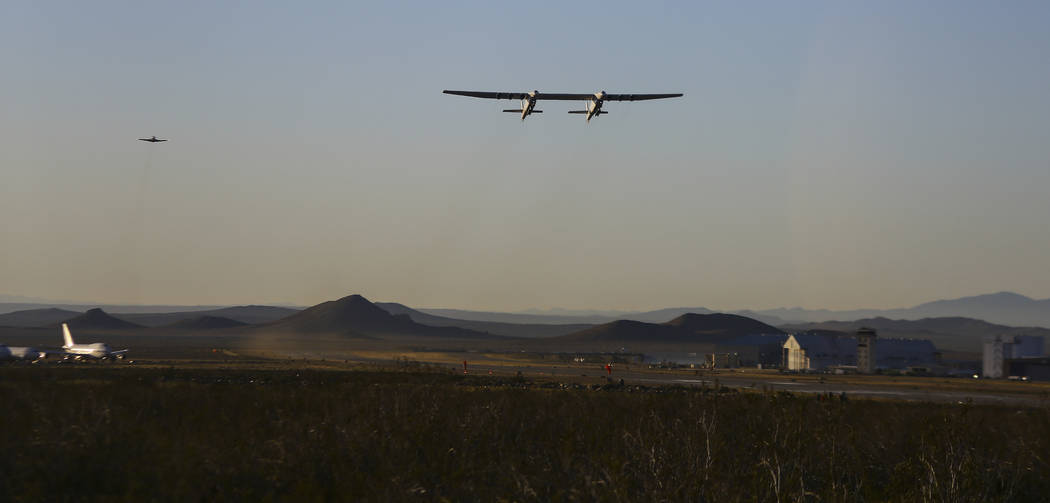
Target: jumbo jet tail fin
pixel 67 336
pixel 518 110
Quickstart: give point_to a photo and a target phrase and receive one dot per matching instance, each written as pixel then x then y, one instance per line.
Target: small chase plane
pixel 152 139
pixel 98 350
pixel 593 106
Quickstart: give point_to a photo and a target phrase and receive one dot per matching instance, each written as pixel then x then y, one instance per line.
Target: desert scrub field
pixel 129 434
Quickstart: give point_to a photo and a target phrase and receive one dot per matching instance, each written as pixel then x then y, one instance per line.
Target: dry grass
pixel 412 433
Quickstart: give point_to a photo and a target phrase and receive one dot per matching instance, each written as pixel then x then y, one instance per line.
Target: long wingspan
pixel 640 97
pixel 562 96
pixel 521 96
pixel 608 97
pixel 490 95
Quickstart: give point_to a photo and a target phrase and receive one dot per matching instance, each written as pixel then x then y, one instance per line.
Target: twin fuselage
pixel 529 99
pixel 594 105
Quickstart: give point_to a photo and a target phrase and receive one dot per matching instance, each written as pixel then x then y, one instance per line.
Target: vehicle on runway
pixel 152 139
pixel 97 350
pixel 593 107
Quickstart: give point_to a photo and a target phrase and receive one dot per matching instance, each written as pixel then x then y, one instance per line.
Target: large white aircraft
pixel 593 107
pixel 96 350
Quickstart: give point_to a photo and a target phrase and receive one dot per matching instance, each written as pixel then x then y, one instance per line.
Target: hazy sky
pixel 826 154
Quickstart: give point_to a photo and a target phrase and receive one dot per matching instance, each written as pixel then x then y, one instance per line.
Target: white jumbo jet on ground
pixel 594 101
pixel 97 350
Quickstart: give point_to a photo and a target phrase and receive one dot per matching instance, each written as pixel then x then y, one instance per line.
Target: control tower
pixel 866 351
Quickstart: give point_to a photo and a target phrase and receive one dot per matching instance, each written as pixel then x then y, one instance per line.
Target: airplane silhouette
pixel 151 139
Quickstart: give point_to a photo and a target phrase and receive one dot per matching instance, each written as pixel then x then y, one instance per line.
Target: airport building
pixel 819 351
pixel 1027 346
pixel 904 353
pixel 1017 355
pixel 756 350
pixel 866 351
pixel 1034 369
pixel 723 360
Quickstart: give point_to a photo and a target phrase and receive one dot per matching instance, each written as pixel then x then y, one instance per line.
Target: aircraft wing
pixel 608 97
pixel 562 96
pixel 565 96
pixel 521 96
pixel 640 97
pixel 490 95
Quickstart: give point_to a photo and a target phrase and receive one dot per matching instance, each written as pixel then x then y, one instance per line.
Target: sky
pixel 825 155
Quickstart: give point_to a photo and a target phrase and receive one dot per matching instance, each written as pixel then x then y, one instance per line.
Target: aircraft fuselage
pixel 527 105
pixel 20 353
pixel 80 351
pixel 594 107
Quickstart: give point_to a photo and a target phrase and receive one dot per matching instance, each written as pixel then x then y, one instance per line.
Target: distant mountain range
pixel 12 306
pixel 951 324
pixel 948 333
pixel 1004 308
pixel 245 314
pixel 240 314
pixel 37 317
pixel 657 316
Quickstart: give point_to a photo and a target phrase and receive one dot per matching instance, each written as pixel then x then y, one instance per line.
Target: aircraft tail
pixel 600 112
pixel 67 336
pixel 518 111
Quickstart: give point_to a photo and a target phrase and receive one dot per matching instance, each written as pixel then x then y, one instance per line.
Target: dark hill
pixel 206 323
pixel 492 327
pixel 253 314
pixel 36 317
pixel 687 328
pixel 356 316
pixel 628 331
pixel 97 319
pixel 721 324
pixel 245 314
